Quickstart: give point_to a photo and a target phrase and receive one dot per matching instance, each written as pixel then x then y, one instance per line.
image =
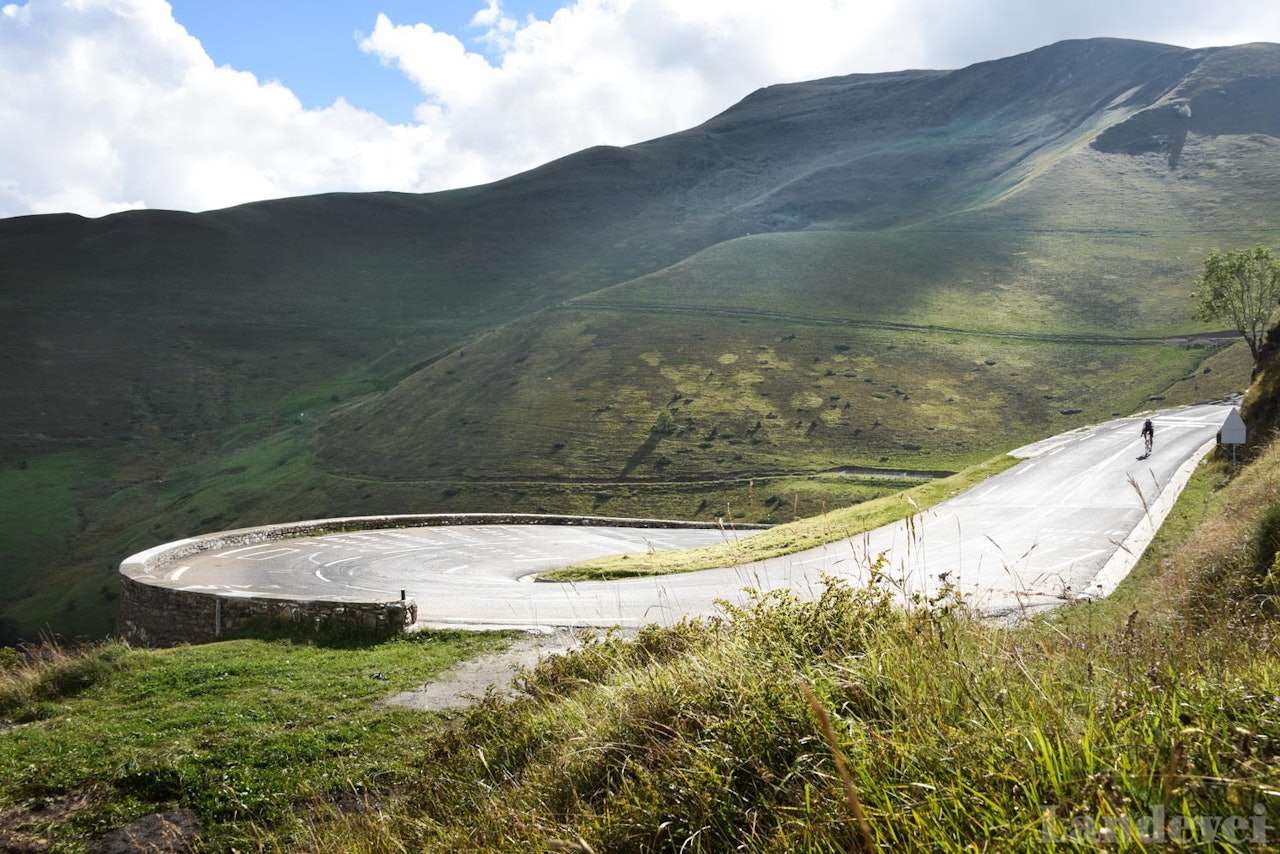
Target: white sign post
pixel 1233 432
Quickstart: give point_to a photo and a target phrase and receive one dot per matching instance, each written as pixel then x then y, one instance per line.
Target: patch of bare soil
pixel 172 832
pixel 25 827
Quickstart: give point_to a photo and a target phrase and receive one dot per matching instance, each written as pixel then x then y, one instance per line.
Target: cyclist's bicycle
pixel 1146 441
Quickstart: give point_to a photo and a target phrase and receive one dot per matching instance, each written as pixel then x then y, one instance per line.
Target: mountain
pixel 908 270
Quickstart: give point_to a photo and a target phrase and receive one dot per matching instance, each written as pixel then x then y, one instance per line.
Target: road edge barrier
pixel 152 614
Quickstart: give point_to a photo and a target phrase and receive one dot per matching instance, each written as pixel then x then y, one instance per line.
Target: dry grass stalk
pixel 850 789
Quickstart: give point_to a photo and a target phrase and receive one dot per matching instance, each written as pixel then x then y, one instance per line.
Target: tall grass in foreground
pixel 33 676
pixel 955 736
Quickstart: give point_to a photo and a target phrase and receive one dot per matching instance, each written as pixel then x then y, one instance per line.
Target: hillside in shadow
pixel 914 269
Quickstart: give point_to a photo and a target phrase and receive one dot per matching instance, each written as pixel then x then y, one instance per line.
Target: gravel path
pixel 468 681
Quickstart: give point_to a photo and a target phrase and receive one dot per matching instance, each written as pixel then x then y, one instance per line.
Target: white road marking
pixel 177 573
pixel 455 569
pixel 322 578
pixel 267 555
pixel 336 562
pixel 237 551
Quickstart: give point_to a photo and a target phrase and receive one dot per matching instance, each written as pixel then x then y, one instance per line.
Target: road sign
pixel 1233 432
pixel 1233 429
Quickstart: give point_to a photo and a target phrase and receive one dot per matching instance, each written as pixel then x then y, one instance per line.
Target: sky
pixel 110 105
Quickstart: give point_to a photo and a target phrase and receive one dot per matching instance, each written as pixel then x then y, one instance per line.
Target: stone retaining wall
pixel 162 616
pixel 155 615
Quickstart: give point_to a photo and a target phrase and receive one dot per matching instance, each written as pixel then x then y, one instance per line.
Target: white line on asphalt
pixel 342 560
pixel 267 555
pixel 237 551
pixel 177 573
pixel 456 568
pixel 322 578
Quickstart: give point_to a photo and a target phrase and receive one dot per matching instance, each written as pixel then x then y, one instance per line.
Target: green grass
pixel 748 396
pixel 39 495
pixel 87 510
pixel 44 496
pixel 1094 245
pixel 790 537
pixel 244 731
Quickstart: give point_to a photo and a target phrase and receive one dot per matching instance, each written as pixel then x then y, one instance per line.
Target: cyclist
pixel 1148 434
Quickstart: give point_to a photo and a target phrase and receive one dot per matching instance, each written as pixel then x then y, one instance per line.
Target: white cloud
pixel 109 104
pixel 618 71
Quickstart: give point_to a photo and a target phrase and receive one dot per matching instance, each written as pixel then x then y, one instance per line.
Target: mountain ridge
pixel 1030 224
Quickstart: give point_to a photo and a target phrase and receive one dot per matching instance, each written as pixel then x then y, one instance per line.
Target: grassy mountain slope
pixel 1061 299
pixel 913 269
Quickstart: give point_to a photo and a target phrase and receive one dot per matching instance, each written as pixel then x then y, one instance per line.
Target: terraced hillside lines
pixel 1215 338
pixel 586 396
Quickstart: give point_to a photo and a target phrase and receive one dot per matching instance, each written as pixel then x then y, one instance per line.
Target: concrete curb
pixel 1130 551
pixel 154 615
pixel 141 565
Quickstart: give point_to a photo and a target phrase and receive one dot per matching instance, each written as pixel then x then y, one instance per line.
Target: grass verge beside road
pixel 739 548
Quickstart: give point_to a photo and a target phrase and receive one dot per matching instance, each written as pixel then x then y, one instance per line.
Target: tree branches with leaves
pixel 1241 287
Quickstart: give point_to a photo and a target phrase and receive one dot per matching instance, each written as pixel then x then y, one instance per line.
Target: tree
pixel 665 424
pixel 1241 287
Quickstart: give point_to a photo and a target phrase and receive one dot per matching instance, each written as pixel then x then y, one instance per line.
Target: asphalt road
pixel 1065 523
